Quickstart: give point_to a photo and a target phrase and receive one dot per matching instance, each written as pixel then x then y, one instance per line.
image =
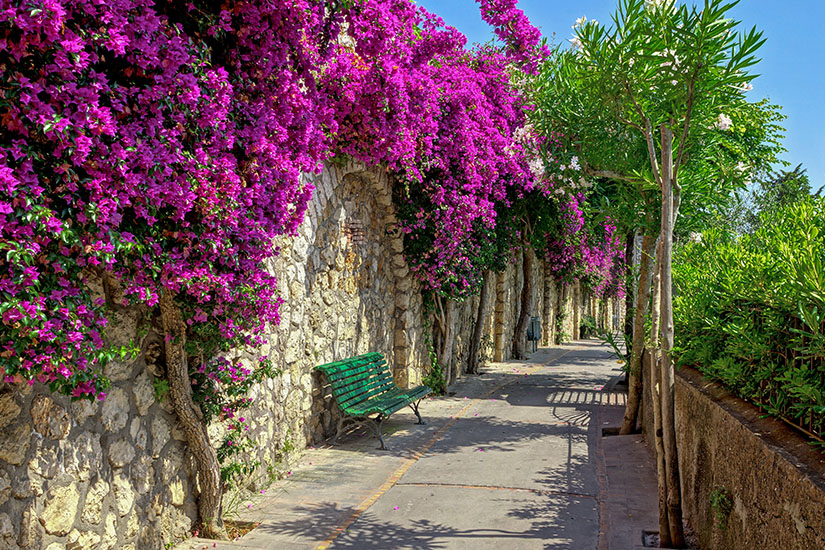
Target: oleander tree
pixel 656 102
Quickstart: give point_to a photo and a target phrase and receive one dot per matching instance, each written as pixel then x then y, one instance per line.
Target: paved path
pixel 514 460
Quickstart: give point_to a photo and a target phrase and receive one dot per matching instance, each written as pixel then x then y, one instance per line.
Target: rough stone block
pixel 15 443
pixel 9 409
pixel 61 507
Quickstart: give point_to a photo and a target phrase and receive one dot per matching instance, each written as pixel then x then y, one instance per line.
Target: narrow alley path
pixel 514 460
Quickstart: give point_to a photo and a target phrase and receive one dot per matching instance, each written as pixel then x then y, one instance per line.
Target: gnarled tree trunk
pixel 483 311
pixel 445 337
pixel 520 332
pixel 637 348
pixel 191 419
pixel 629 319
pixel 561 313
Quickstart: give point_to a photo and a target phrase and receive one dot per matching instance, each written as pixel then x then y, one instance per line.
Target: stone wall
pixel 116 474
pixel 347 291
pixel 774 478
pixel 508 288
pixel 94 475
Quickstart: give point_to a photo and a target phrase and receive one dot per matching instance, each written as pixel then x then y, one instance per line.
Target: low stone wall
pixel 775 480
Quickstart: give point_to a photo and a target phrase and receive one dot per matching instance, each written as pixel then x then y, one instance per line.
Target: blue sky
pixel 792 71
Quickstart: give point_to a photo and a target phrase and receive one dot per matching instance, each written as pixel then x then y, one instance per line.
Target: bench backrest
pixel 358 378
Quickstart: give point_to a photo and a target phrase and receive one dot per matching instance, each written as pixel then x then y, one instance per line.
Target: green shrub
pixel 749 311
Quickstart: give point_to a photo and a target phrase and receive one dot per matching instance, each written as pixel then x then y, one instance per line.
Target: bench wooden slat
pixel 384 406
pixel 338 373
pixel 338 378
pixel 346 364
pixel 364 392
pixel 344 385
pixel 394 400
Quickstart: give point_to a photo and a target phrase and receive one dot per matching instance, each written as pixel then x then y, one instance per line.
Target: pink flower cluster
pixel 162 145
pixel 169 159
pixel 592 255
pixel 512 26
pixel 443 118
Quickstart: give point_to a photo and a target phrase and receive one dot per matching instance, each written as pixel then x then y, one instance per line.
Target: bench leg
pixel 376 426
pixel 414 407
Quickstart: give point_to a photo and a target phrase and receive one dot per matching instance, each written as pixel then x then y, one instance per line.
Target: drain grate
pixel 614 430
pixel 650 539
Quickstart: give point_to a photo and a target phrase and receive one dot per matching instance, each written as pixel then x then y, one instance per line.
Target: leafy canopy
pixel 660 63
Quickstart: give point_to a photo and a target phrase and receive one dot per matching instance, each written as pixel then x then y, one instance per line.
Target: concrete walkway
pixel 514 460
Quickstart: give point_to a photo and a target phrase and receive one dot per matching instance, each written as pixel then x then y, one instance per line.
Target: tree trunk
pixel 444 346
pixel 674 496
pixel 560 313
pixel 664 524
pixel 577 310
pixel 520 332
pixel 483 311
pixel 630 294
pixel 637 348
pixel 191 419
pixel 547 316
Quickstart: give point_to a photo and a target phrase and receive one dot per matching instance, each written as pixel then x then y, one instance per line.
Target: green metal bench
pixel 365 392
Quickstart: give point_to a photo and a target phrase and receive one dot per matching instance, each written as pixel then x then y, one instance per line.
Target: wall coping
pixel 776 435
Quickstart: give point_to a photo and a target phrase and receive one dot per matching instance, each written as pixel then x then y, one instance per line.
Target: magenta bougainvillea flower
pixel 162 146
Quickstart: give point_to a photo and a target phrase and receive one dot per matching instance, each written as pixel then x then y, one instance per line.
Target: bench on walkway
pixel 364 390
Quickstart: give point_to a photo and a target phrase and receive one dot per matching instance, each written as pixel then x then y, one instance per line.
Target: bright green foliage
pixel 677 64
pixel 779 189
pixel 749 311
pixel 769 193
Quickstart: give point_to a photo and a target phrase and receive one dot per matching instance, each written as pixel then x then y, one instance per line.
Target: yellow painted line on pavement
pixel 399 473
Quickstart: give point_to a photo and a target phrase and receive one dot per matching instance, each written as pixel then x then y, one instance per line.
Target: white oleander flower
pixel 577 44
pixel 580 21
pixel 574 163
pixel 523 134
pixel 723 122
pixel 658 4
pixel 536 166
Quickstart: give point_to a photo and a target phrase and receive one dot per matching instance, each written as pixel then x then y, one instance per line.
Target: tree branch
pixel 592 172
pixel 626 120
pixel 610 174
pixel 686 128
pixel 648 132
